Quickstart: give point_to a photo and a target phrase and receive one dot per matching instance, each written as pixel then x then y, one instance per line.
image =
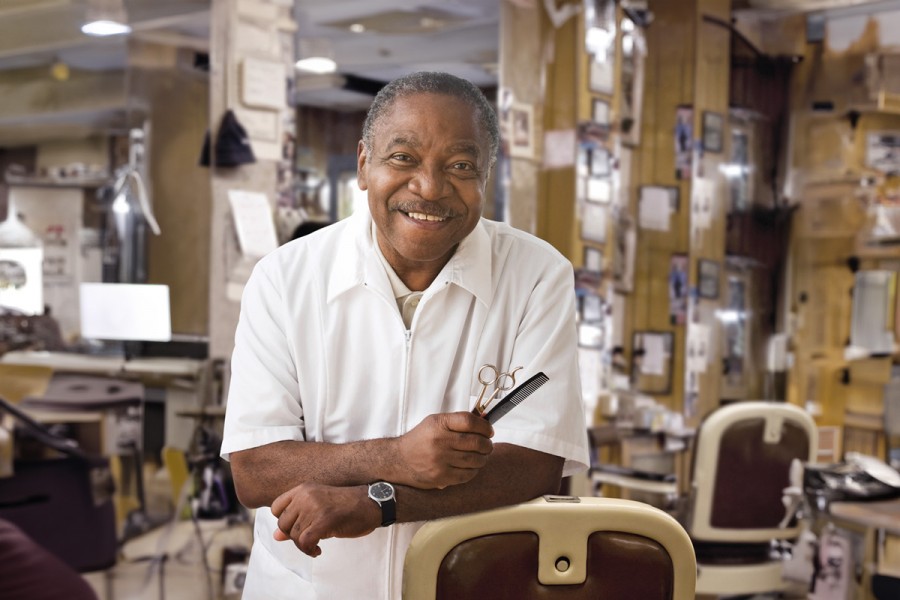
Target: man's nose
pixel 429 183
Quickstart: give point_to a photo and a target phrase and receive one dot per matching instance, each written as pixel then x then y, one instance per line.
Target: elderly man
pixel 356 360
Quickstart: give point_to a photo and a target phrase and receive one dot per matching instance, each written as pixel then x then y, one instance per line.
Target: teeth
pixel 424 217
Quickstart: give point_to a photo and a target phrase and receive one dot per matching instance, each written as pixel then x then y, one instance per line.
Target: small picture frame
pixel 593 223
pixel 521 134
pixel 651 361
pixel 600 112
pixel 713 126
pixel 593 259
pixel 707 279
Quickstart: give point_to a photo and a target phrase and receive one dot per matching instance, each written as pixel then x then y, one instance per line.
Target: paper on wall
pixel 654 359
pixel 655 208
pixel 702 198
pixel 698 350
pixel 253 222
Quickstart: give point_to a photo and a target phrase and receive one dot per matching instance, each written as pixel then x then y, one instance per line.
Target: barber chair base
pixel 720 580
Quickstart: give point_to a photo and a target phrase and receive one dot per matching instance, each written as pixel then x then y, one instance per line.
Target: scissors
pixel 489 375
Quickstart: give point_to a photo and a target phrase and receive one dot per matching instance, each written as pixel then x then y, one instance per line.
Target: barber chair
pixel 559 547
pixel 736 512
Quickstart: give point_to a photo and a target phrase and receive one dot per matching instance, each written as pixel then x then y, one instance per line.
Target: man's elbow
pixel 249 490
pixel 248 495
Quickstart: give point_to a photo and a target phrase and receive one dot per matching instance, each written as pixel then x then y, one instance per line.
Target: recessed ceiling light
pixel 316 64
pixel 357 28
pixel 104 28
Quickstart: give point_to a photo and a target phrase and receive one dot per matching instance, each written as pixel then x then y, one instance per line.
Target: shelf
pixel 86 182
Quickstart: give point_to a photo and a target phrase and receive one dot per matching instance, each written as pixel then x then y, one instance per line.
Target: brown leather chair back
pixel 589 548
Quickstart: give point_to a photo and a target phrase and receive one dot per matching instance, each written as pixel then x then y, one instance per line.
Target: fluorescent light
pixel 104 28
pixel 316 64
pixel 105 17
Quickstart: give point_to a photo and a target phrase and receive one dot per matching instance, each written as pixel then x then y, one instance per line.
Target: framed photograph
pixel 713 131
pixel 600 112
pixel 593 223
pixel 651 361
pixel 593 259
pixel 708 278
pixel 600 76
pixel 684 141
pixel 678 289
pixel 521 124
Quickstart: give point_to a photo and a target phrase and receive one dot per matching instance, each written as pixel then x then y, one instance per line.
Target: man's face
pixel 425 180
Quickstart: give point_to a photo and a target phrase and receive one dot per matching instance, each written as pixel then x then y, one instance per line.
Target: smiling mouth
pixel 423 217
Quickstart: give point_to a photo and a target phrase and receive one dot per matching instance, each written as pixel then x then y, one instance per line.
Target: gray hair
pixel 433 83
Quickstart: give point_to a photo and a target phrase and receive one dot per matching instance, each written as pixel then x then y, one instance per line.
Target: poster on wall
pixel 684 144
pixel 678 289
pixel 883 151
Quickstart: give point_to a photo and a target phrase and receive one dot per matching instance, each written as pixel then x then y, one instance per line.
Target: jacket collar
pixel 356 263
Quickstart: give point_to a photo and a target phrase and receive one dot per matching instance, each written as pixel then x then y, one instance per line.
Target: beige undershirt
pixel 407 300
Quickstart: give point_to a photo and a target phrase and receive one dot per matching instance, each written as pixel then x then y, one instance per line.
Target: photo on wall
pixel 684 141
pixel 678 289
pixel 708 279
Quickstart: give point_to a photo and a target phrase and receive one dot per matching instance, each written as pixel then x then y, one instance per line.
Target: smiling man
pixel 349 417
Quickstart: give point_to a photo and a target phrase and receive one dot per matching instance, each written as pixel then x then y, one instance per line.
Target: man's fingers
pixel 466 422
pixel 280 536
pixel 472 443
pixel 280 503
pixel 308 542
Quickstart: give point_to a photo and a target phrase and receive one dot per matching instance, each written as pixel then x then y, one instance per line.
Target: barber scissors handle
pixel 490 375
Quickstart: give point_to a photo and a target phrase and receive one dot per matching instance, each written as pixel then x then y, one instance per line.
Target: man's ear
pixel 362 162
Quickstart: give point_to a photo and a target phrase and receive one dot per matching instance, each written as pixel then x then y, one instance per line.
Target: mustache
pixel 426 208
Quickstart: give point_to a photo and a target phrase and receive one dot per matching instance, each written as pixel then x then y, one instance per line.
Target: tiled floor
pixel 167 562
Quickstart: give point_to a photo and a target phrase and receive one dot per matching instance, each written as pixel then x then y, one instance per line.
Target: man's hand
pixel 444 449
pixel 311 512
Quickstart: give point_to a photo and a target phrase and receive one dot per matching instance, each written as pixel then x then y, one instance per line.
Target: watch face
pixel 381 491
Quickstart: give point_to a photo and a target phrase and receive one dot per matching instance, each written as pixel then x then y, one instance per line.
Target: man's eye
pixel 401 157
pixel 463 166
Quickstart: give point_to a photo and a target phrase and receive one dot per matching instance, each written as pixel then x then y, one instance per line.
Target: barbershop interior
pixel 723 175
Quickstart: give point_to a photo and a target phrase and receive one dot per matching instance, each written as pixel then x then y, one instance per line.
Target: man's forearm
pixel 261 474
pixel 513 474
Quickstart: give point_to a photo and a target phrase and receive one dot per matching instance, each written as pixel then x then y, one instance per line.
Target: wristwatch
pixel 383 493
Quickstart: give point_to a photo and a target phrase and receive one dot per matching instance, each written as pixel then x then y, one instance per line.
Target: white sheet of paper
pixel 698 347
pixel 559 148
pixel 125 311
pixel 702 198
pixel 655 208
pixel 654 355
pixel 599 189
pixel 253 222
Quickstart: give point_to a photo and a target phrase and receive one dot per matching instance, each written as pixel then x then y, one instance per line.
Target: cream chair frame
pixel 563 525
pixel 749 578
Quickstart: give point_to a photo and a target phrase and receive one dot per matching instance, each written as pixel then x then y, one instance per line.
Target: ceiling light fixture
pixel 105 18
pixel 315 56
pixel 357 28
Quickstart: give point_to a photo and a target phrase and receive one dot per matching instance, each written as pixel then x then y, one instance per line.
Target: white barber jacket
pixel 322 354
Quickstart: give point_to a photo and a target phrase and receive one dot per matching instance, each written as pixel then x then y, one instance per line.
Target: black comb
pixel 515 397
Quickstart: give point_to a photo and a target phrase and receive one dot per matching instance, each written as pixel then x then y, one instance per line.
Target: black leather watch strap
pixel 388 512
